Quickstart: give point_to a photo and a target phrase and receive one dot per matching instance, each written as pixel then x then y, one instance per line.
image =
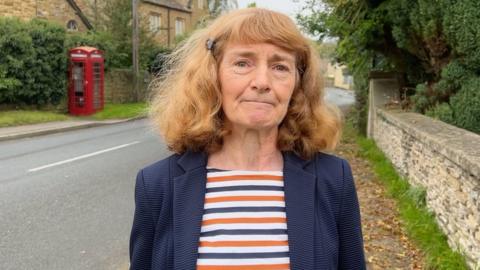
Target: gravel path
pixel 386 243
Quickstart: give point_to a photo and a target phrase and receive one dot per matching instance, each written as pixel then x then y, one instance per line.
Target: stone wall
pixel 119 88
pixel 442 159
pixel 25 9
pixel 53 10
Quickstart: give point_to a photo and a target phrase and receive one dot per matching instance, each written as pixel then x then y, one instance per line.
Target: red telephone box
pixel 85 83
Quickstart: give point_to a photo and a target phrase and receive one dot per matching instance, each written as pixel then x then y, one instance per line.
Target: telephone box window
pixel 97 82
pixel 78 86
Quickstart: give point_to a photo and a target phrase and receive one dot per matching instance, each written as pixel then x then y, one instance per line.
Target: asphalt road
pixel 342 98
pixel 66 199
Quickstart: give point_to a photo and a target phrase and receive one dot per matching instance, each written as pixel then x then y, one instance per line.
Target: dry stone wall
pixel 442 159
pixel 53 10
pixel 119 87
pixel 22 9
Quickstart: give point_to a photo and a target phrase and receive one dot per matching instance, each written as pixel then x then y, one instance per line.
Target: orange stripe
pixel 244 177
pixel 244 198
pixel 243 243
pixel 243 267
pixel 244 220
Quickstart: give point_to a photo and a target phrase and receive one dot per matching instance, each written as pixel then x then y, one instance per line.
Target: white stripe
pixel 82 157
pixel 244 203
pixel 233 183
pixel 234 172
pixel 243 215
pixel 243 261
pixel 78 55
pixel 244 237
pixel 233 226
pixel 244 193
pixel 242 249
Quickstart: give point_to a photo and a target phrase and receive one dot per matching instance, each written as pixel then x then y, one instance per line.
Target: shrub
pixel 442 112
pixel 435 45
pixel 46 78
pixel 114 57
pixel 421 98
pixel 32 62
pixel 466 105
pixel 460 23
pixel 157 61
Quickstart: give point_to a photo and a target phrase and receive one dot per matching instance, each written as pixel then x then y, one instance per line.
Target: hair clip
pixel 301 69
pixel 210 44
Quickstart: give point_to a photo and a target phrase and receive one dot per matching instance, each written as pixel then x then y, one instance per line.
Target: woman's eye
pixel 281 68
pixel 241 64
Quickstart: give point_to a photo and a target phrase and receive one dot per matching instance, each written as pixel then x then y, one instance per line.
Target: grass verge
pixel 419 222
pixel 110 111
pixel 16 118
pixel 120 111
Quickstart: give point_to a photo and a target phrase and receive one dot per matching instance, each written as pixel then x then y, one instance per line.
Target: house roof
pixel 80 14
pixel 172 4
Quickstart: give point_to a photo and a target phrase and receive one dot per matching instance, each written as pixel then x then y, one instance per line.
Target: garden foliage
pixel 33 54
pixel 433 44
pixel 32 62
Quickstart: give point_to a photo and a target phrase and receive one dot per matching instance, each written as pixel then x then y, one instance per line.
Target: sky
pixel 288 7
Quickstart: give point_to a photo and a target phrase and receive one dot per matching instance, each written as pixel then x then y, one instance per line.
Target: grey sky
pixel 285 6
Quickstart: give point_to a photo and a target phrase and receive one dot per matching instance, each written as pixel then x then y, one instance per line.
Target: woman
pixel 241 106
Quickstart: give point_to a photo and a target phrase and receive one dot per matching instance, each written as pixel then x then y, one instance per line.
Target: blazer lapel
pixel 188 202
pixel 299 188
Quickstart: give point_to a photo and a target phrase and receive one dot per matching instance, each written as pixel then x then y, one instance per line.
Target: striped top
pixel 244 223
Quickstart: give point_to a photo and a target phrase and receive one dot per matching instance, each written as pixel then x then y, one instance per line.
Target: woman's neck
pixel 248 150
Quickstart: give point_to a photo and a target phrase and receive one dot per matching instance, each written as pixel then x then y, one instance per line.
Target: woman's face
pixel 257 82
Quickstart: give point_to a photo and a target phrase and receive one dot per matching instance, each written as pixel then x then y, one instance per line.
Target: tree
pixel 430 44
pixel 114 35
pixel 326 50
pixel 218 7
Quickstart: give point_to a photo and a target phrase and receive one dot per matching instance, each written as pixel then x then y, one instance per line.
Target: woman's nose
pixel 261 80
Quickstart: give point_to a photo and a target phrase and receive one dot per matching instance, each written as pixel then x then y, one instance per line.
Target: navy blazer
pixel 323 217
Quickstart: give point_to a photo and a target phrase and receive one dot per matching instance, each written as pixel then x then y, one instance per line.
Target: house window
pixel 200 4
pixel 72 25
pixel 179 26
pixel 155 22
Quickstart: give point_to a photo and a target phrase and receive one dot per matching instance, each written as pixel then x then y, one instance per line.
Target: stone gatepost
pixel 384 91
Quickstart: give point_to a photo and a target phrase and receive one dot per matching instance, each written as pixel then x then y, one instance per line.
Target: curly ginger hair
pixel 187 102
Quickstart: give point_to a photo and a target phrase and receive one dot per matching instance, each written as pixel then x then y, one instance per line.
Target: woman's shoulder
pixel 157 174
pixel 331 162
pixel 332 167
pixel 161 165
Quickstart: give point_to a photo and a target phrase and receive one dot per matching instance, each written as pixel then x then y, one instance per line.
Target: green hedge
pixel 114 57
pixel 118 54
pixel 33 59
pixel 32 62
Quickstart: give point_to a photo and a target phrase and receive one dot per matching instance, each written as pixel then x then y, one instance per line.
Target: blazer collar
pixel 188 202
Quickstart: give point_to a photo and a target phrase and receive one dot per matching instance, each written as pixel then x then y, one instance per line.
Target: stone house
pixel 165 19
pixel 338 76
pixel 69 13
pixel 168 19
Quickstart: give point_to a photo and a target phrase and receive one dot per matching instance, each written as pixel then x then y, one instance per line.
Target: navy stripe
pixel 249 187
pixel 210 170
pixel 245 232
pixel 243 255
pixel 245 209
